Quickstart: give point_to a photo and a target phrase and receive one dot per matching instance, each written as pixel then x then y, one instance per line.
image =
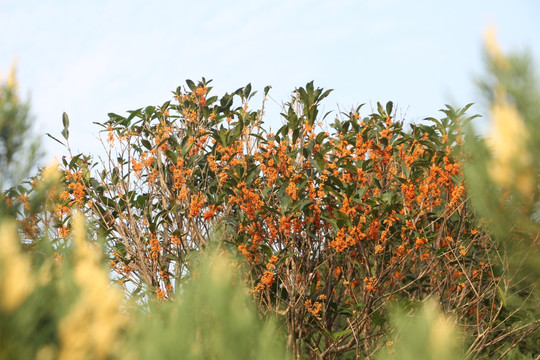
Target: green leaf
pixel 339 334
pixel 132 115
pixel 267 250
pixel 171 155
pixel 320 138
pixel 285 201
pixel 300 205
pixel 380 109
pixel 502 295
pixel 191 85
pixel 146 144
pixel 165 106
pixel 52 137
pixel 149 111
pixel 141 201
pixel 65 133
pixel 389 107
pixel 318 161
pixel 247 90
pixel 65 120
pixel 406 170
pixel 388 196
pixel 360 192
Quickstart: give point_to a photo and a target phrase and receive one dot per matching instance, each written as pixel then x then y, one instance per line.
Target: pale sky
pixel 94 57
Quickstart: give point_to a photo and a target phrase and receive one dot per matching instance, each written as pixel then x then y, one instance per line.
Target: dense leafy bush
pixel 332 226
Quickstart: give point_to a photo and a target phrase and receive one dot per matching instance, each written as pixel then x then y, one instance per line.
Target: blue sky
pixel 94 57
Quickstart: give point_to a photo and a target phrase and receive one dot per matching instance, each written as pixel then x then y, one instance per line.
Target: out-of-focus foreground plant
pixel 423 333
pixel 61 305
pixel 213 317
pixel 19 151
pixel 57 305
pixel 506 172
pixel 504 180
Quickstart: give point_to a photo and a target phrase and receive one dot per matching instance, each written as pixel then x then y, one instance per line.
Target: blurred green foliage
pixel 214 317
pixel 19 150
pixel 503 172
pixel 423 333
pixel 503 175
pixel 62 306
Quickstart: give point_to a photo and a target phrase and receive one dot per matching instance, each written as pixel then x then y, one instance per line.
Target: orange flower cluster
pixel 272 262
pixel 230 159
pixel 243 249
pixel 176 240
pixel 315 308
pixel 266 281
pixel 77 190
pixel 348 237
pixel 110 134
pixel 420 242
pixel 190 115
pixel 76 187
pixel 196 204
pixel 292 191
pixel 250 202
pixel 160 294
pixel 369 283
pixel 23 199
pixel 145 162
pixel 179 174
pixel 271 166
pixel 63 231
pixel 155 247
pixel 163 132
pixel 201 93
pixel 209 214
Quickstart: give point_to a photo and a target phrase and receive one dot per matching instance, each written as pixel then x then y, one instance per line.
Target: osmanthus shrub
pixel 332 225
